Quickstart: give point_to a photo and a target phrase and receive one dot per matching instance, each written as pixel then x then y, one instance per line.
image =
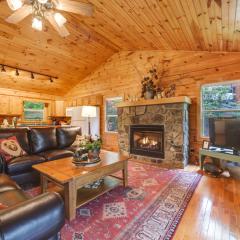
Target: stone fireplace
pixel 147 140
pixel 155 130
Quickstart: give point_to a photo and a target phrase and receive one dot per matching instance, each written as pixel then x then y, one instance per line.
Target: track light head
pixel 32 75
pixel 17 72
pixel 50 79
pixel 3 68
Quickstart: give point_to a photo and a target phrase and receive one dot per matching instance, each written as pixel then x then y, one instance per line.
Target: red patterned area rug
pixel 150 208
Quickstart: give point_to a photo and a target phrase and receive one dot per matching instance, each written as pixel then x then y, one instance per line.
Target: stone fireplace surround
pixel 172 113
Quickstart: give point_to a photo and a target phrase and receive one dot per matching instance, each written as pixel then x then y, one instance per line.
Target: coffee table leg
pixel 70 198
pixel 44 183
pixel 125 174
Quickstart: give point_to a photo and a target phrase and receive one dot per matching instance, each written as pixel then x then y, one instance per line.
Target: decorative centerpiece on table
pixel 88 151
pixel 88 155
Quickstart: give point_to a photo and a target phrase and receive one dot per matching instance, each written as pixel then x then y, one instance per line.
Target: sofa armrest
pixel 39 218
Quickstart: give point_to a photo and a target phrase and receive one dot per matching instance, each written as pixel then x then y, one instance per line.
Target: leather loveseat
pixel 25 218
pixel 40 145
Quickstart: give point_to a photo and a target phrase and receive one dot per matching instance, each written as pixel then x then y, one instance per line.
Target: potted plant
pixel 148 86
pixel 93 147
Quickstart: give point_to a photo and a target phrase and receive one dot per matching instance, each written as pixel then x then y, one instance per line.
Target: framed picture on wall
pixel 205 144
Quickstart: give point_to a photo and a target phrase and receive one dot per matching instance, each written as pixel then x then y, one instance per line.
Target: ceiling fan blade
pixel 19 14
pixel 85 9
pixel 63 32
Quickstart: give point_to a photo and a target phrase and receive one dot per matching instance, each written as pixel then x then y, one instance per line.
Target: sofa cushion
pixel 6 183
pixel 43 139
pixel 23 164
pixel 21 135
pixel 10 148
pixel 56 154
pixel 67 135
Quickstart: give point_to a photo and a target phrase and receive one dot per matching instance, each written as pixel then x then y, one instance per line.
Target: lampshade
pixel 37 24
pixel 14 4
pixel 89 111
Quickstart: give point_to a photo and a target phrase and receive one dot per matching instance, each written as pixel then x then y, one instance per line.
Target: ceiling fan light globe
pixel 37 24
pixel 60 19
pixel 14 4
pixel 42 1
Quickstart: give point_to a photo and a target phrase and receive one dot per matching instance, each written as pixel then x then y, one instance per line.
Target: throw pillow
pixel 3 206
pixel 78 141
pixel 10 148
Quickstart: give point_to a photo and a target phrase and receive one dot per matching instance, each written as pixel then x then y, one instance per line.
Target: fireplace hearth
pixel 147 140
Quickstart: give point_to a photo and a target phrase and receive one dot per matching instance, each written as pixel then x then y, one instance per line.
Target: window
pixel 33 111
pixel 111 117
pixel 219 101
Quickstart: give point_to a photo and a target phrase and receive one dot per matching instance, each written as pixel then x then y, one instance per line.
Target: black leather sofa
pixel 38 218
pixel 40 144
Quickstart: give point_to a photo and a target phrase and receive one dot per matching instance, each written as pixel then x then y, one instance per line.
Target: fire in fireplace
pixel 147 140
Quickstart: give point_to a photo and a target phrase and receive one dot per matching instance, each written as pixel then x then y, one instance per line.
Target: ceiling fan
pixel 47 9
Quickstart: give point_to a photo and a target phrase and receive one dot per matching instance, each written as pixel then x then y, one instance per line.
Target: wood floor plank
pixel 213 212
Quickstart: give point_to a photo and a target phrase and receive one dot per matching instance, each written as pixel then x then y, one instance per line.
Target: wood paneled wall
pixel 11 102
pixel 27 94
pixel 121 75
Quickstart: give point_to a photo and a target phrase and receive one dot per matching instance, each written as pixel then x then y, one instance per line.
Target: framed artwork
pixel 205 144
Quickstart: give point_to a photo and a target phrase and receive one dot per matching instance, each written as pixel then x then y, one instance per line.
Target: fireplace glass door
pixel 147 140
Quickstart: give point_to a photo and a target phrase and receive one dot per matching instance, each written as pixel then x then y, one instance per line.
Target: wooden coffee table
pixel 69 179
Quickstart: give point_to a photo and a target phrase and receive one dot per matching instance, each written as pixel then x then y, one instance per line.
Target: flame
pixel 146 140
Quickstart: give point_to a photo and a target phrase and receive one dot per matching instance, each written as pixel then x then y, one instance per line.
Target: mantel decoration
pixel 88 152
pixel 42 10
pixel 148 86
pixel 151 87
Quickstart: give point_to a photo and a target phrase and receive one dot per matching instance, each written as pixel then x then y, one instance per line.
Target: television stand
pixel 227 156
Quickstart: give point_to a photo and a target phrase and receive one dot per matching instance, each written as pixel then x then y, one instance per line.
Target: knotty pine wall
pixel 28 94
pixel 16 97
pixel 121 75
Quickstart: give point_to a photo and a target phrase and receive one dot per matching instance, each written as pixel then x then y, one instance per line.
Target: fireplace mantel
pixel 143 102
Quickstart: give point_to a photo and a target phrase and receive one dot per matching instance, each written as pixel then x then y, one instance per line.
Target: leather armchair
pixel 21 217
pixel 40 218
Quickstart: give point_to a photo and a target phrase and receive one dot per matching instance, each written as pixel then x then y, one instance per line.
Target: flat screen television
pixel 225 132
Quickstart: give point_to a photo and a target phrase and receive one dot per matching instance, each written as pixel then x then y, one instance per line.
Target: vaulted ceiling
pixel 192 25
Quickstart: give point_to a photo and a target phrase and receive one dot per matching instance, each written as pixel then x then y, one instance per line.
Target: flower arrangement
pixel 89 143
pixel 148 86
pixel 89 148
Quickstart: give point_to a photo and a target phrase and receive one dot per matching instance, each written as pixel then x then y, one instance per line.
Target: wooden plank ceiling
pixel 192 25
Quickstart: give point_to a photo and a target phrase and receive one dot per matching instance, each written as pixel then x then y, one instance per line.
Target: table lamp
pixel 89 112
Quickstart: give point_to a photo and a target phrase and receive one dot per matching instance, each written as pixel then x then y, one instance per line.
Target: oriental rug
pixel 149 209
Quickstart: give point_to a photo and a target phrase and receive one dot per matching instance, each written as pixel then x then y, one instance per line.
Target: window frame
pixel 105 113
pixel 35 120
pixel 218 110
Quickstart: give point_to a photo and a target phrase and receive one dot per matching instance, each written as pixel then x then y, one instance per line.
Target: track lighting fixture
pixel 32 74
pixel 3 68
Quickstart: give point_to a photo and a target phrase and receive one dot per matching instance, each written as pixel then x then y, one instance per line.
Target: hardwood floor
pixel 213 212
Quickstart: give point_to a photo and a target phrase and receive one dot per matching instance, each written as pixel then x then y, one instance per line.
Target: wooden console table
pixel 223 156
